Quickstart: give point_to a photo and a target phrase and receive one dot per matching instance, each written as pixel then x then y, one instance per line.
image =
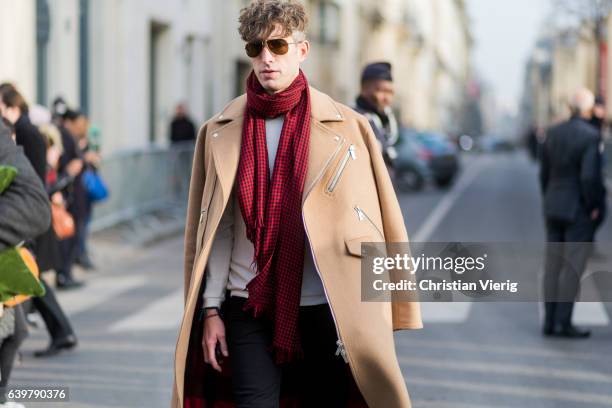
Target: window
pixel 329 23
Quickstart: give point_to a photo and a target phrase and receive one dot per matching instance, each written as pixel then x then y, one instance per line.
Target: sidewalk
pixel 143 231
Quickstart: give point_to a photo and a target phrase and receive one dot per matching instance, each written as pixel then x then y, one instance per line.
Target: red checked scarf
pixel 279 246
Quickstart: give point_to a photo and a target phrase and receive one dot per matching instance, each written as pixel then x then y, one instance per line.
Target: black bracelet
pixel 203 311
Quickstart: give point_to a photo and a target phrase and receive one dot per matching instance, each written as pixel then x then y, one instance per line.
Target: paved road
pixel 491 354
pixel 468 355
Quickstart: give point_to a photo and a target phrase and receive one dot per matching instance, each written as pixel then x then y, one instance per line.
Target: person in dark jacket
pixel 77 125
pixel 569 178
pixel 598 120
pixel 14 108
pixel 182 128
pixel 24 205
pixel 71 164
pixel 374 102
pixel 25 214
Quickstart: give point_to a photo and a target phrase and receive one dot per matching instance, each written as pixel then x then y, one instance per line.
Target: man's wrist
pixel 208 310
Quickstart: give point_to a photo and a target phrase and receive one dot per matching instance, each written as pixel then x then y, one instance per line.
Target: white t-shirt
pixel 229 263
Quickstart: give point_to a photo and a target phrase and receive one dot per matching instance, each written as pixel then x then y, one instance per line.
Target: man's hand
pixel 93 158
pixel 57 198
pixel 214 331
pixel 594 214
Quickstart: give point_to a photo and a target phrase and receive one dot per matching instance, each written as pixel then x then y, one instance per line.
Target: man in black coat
pixel 71 164
pixel 374 102
pixel 569 178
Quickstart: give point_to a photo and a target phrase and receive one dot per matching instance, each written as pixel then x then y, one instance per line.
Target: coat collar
pixel 227 137
pixel 323 108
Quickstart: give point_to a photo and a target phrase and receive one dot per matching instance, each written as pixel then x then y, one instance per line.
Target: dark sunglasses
pixel 277 46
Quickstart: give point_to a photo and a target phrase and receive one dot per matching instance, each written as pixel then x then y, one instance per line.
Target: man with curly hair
pixel 286 185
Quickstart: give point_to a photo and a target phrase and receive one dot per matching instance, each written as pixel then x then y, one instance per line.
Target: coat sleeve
pixel 406 314
pixel 196 187
pixel 218 266
pixel 25 211
pixel 590 171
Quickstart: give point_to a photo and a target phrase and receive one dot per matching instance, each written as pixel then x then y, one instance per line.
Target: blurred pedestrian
pixel 598 120
pixel 71 165
pixel 182 128
pixel 61 333
pixel 78 125
pixel 598 116
pixel 532 143
pixel 46 247
pixel 14 108
pixel 25 215
pixel 375 103
pixel 569 177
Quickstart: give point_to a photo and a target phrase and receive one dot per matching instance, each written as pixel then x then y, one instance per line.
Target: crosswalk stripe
pixel 541 351
pixel 162 314
pixel 526 369
pixel 591 314
pixel 585 314
pixel 97 292
pixel 519 391
pixel 446 312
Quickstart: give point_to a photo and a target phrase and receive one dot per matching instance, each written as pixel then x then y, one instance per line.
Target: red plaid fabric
pixel 275 291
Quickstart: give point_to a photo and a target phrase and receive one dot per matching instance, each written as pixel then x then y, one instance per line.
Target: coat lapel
pixel 226 143
pixel 227 138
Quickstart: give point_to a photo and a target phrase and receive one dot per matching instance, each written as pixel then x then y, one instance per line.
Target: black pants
pixel 56 321
pixel 566 260
pixel 8 350
pixel 320 379
pixel 69 247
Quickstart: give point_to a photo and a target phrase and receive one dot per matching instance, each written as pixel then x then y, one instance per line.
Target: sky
pixel 505 32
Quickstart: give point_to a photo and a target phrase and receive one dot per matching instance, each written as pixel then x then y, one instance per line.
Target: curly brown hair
pixel 260 18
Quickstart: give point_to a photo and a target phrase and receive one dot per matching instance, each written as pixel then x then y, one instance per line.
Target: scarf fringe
pixel 258 310
pixel 284 355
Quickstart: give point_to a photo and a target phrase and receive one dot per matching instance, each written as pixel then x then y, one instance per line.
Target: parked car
pixel 410 165
pixel 441 155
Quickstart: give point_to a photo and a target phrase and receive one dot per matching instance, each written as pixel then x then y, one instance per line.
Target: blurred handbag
pixel 95 186
pixel 18 277
pixel 62 221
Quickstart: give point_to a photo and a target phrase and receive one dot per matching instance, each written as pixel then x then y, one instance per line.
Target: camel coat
pixel 345 171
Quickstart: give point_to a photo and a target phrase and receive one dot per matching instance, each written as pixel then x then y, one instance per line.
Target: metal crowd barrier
pixel 142 181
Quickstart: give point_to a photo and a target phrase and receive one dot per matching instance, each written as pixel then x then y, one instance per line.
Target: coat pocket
pixel 353 245
pixel 350 155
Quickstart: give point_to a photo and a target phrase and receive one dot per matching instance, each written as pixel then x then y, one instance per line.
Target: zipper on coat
pixel 363 216
pixel 350 154
pixel 341 351
pixel 345 355
pixel 339 342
